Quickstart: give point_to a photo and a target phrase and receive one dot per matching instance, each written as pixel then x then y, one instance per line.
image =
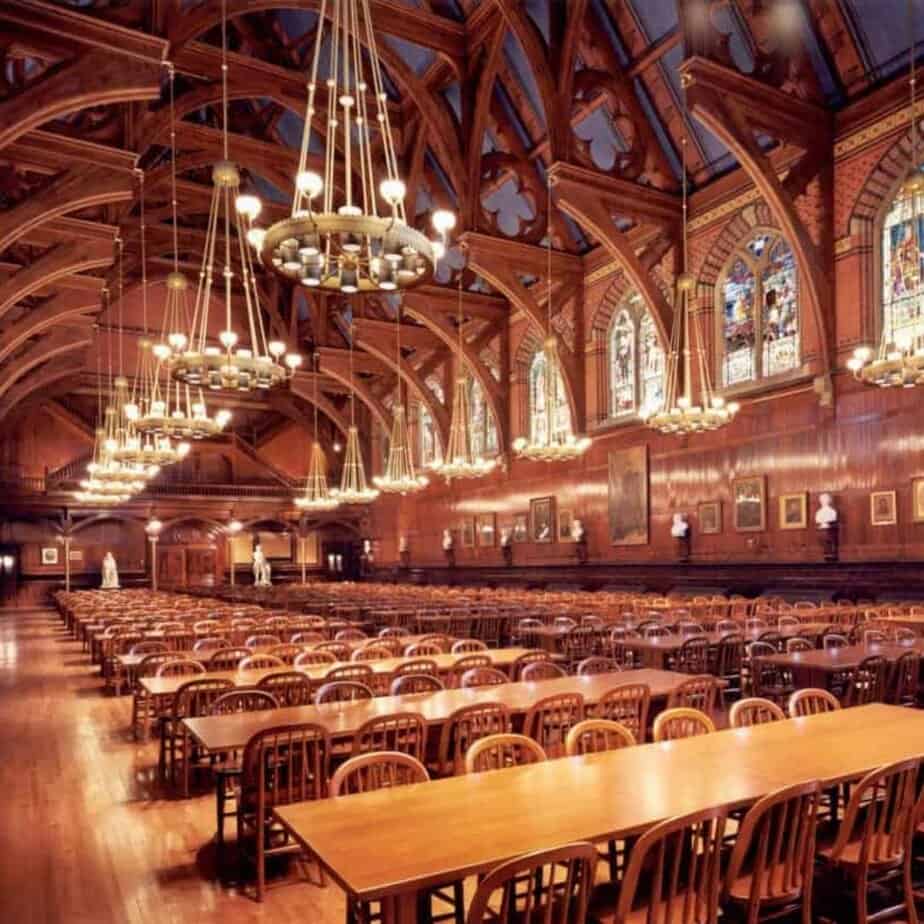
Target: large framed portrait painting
pixel 628 496
pixel 750 503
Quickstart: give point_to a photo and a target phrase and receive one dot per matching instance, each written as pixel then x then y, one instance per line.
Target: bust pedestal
pixel 829 542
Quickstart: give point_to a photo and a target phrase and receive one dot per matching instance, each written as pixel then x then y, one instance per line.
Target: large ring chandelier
pixel 340 236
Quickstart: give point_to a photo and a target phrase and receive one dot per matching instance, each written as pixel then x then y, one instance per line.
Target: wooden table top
pixel 230 732
pixel 387 842
pixel 846 658
pixel 163 686
pixel 673 641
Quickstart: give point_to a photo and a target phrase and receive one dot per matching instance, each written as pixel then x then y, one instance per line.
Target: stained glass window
pixel 537 399
pixel 622 364
pixel 651 365
pixel 430 450
pixel 636 360
pixel 760 311
pixel 902 273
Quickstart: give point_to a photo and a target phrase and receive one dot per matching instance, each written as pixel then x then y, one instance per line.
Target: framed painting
pixel 565 525
pixel 521 527
pixel 917 500
pixel 485 529
pixel 750 499
pixel 542 519
pixel 468 533
pixel 882 508
pixel 49 555
pixel 709 514
pixel 793 511
pixel 627 488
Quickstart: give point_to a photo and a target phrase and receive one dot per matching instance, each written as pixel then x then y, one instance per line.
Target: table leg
pixel 400 909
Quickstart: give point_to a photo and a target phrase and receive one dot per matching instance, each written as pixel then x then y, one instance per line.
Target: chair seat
pixel 605 897
pixel 770 891
pixel 850 857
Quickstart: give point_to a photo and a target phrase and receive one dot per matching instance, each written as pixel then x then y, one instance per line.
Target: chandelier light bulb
pixel 443 221
pixel 256 237
pixel 248 205
pixel 309 183
pixel 223 418
pixel 131 411
pixel 227 338
pixel 183 449
pixel 293 361
pixel 393 190
pixel 276 348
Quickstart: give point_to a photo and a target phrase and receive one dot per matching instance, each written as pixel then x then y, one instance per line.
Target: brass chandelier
pixel 245 361
pixel 460 459
pixel 339 235
pixel 680 413
pixel 898 362
pixel 317 496
pixel 400 475
pixel 550 442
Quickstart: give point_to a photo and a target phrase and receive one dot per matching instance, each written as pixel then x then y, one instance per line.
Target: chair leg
pixel 908 884
pixel 220 821
pixel 261 858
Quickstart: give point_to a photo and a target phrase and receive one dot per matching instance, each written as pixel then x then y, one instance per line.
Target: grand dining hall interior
pixel 459 461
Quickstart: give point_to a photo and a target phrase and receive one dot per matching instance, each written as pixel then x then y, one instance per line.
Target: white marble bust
pixel 679 526
pixel 826 515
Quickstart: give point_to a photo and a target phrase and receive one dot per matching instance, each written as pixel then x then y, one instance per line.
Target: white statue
pixel 506 537
pixel 110 573
pixel 261 568
pixel 577 531
pixel 826 515
pixel 403 544
pixel 680 527
pixel 447 540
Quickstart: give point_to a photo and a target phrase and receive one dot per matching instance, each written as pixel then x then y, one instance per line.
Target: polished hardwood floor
pixel 86 837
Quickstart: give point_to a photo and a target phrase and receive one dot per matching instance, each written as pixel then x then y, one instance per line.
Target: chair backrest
pixel 541 670
pixel 395 632
pixel 692 843
pixel 350 635
pixel 243 700
pixel 150 663
pixel 307 638
pixel 464 664
pixel 693 656
pixel 340 650
pixel 227 659
pixel 287 652
pixel 879 815
pixel 440 639
pixel 755 710
pixel 696 693
pixel 146 648
pixel 314 659
pixel 727 626
pixel 499 751
pixel 210 644
pixel 179 667
pixel 262 641
pixel 597 665
pixel 342 691
pixel 529 657
pixel 681 723
pixel 286 764
pixel 906 673
pixel 372 651
pixel 776 844
pixel 798 644
pixel 593 735
pixel 468 646
pixel 483 677
pixel 400 731
pixel 869 681
pixel 833 640
pixel 549 720
pixel 195 697
pixel 290 688
pixel 466 726
pixel 259 662
pixel 415 683
pixel 417 666
pixel 378 770
pixel 812 702
pixel 627 704
pixel 361 672
pixel 422 649
pixel 561 881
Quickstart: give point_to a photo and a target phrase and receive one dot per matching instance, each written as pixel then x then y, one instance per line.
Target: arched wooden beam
pixel 78 188
pixel 29 387
pixel 302 387
pixel 80 525
pixel 60 310
pixel 194 518
pixel 41 351
pixel 574 12
pixel 336 366
pixel 96 78
pixel 383 348
pixel 63 260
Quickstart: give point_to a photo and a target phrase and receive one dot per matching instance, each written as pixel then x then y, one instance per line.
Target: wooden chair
pixel 696 693
pixel 209 645
pixel 372 651
pixel 291 688
pixel 868 682
pixel 350 635
pixel 243 699
pixel 417 666
pixel 597 665
pixel 727 627
pixel 626 704
pixel 260 662
pixel 834 640
pixel 906 673
pixel 465 664
pixel 729 664
pixel 314 659
pixel 549 720
pixel 619 649
pixel 361 673
pixel 771 869
pixel 422 650
pixel 541 670
pixel 463 728
pixel 594 735
pixel 287 652
pixel 307 638
pixel 415 683
pixel 440 639
pixel 768 680
pixel 873 845
pixel 561 881
pixel 529 657
pixel 754 711
pixel 497 752
pixel 483 677
pixel 794 645
pixel 400 731
pixel 693 656
pixel 580 643
pixel 180 667
pixel 227 659
pixel 812 702
pixel 340 650
pixel 342 691
pixel 279 766
pixel 262 641
pixel 691 843
pixel 148 648
pixel 673 724
pixel 468 646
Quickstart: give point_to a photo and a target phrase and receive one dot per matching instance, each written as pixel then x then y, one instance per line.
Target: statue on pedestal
pixel 680 530
pixel 506 544
pixel 579 535
pixel 110 573
pixel 826 521
pixel 449 548
pixel 262 572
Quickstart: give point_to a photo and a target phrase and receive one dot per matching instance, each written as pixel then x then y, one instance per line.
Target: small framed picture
pixel 468 533
pixel 709 514
pixel 485 529
pixel 542 519
pixel 917 500
pixel 565 526
pixel 882 509
pixel 793 511
pixel 521 527
pixel 50 555
pixel 750 497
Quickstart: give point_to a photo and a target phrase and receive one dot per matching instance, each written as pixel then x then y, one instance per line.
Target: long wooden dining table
pixel 387 845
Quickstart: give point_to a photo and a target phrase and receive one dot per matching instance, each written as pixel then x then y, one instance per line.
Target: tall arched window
pixel 636 361
pixel 561 415
pixel 902 273
pixel 760 311
pixel 483 429
pixel 430 448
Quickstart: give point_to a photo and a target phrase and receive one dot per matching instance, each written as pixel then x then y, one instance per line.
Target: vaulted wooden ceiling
pixel 487 98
